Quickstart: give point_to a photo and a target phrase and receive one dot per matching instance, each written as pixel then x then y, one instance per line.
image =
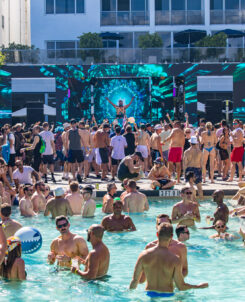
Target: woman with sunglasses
pixel 13 267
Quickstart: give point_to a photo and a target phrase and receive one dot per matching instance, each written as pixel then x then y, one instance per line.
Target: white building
pixel 56 24
pixel 15 22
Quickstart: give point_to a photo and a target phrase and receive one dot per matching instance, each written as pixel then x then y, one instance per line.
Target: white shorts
pixel 92 156
pixel 97 157
pixel 143 150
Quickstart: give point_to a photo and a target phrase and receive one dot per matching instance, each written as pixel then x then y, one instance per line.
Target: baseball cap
pixel 158 161
pixel 193 140
pixel 59 192
pixel 158 127
pixel 66 125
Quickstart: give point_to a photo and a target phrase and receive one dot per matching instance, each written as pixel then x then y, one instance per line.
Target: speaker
pixel 34 112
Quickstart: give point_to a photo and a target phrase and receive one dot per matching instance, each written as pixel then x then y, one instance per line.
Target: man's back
pixel 178 138
pixel 48 137
pixel 135 202
pixel 158 265
pixel 58 207
pixel 11 227
pixel 76 202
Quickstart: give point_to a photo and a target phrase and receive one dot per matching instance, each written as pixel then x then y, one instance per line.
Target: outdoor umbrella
pixel 110 36
pixel 189 36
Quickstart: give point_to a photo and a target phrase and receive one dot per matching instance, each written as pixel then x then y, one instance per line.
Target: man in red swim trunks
pixel 177 141
pixel 238 150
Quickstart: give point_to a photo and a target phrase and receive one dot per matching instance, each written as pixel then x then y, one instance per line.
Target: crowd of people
pixel 166 154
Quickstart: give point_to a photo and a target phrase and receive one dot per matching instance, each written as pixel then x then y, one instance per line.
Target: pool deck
pixel 229 188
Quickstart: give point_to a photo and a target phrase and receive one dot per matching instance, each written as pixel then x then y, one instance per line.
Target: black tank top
pixel 36 151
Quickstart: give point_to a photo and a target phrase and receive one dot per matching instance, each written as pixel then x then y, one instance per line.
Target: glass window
pixel 127 41
pixel 194 5
pixel 66 45
pixel 178 4
pixel 216 4
pixel 138 5
pixel 50 45
pixel 166 39
pixel 243 4
pixel 49 6
pixel 108 5
pixel 123 5
pixel 231 4
pixel 162 4
pixel 136 38
pixel 80 6
pixel 65 6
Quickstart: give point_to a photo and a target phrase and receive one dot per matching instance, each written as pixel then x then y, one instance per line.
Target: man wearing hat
pixel 58 205
pixel 117 222
pixel 155 143
pixel 193 162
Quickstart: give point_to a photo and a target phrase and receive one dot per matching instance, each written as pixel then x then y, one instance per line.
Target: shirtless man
pixel 176 247
pixel 134 201
pixel 161 267
pixel 102 143
pixel 10 226
pixel 120 109
pixel 75 198
pixel 38 198
pixel 73 149
pixel 209 140
pixel 129 167
pixel 186 212
pixel 86 148
pixel 220 227
pixel 126 189
pixel 193 163
pixel 238 150
pixel 64 138
pixel 160 176
pixel 117 222
pixel 89 206
pixel 67 246
pixel 59 205
pixel 97 261
pixel 143 141
pixel 26 206
pixel 5 196
pixel 155 143
pixel 177 142
pixel 109 198
pixel 222 211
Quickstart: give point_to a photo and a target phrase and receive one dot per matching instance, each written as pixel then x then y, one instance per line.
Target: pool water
pixel 221 264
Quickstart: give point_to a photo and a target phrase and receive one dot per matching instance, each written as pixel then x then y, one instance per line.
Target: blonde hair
pixel 209 125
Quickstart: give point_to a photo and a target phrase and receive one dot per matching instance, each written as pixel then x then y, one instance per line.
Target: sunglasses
pixel 188 193
pixel 220 226
pixel 187 132
pixel 59 226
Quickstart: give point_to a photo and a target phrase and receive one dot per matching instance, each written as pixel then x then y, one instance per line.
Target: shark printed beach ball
pixel 31 239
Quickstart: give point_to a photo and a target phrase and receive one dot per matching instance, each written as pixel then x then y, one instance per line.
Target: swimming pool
pixel 221 264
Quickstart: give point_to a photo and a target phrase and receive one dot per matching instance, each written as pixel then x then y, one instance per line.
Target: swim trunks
pixel 153 294
pixel 175 154
pixel 143 150
pixel 104 155
pixel 237 154
pixel 163 182
pixel 155 154
pixel 197 172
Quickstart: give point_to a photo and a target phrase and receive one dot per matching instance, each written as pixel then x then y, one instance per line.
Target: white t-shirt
pixel 48 136
pixel 118 143
pixel 164 135
pixel 25 177
pixel 12 137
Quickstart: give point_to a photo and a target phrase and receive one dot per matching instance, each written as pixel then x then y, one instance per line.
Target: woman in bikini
pixel 209 140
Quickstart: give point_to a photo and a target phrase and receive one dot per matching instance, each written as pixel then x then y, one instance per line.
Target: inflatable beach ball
pixel 31 239
pixel 131 120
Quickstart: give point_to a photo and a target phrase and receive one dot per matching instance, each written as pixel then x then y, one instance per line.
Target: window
pixel 123 5
pixel 138 5
pixel 108 5
pixel 49 6
pixel 243 4
pixel 216 4
pixel 178 4
pixel 161 4
pixel 127 41
pixel 64 6
pixel 2 21
pixel 232 4
pixel 61 49
pixel 194 5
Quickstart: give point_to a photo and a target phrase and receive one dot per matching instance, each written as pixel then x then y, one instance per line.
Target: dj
pixel 120 109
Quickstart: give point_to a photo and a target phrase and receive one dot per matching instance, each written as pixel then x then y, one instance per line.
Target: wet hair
pixel 132 184
pixel 74 186
pixel 180 229
pixel 190 175
pixel 165 231
pixel 110 186
pixel 164 216
pixel 6 266
pixel 60 218
pixel 97 230
pixel 6 210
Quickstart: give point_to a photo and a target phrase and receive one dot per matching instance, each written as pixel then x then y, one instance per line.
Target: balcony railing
pixel 179 17
pixel 124 18
pixel 125 55
pixel 228 16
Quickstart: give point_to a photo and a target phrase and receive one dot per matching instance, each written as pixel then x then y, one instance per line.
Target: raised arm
pixel 126 107
pixel 169 119
pixel 111 103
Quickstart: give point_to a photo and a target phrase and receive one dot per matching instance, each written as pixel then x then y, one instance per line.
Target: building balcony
pixel 124 18
pixel 180 17
pixel 124 56
pixel 228 16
